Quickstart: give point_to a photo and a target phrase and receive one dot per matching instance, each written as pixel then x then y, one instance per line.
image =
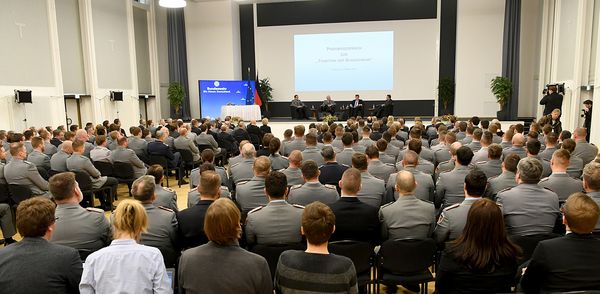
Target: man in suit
pixel 240 133
pixel 425 186
pixel 35 265
pixel 57 137
pixel 254 131
pixel 328 106
pixel 160 148
pixel 493 165
pixel 552 100
pixel 37 155
pixel 408 217
pixel 373 189
pixel 584 150
pixel 568 263
pixel 21 172
pixel 293 172
pixel 449 187
pixel 312 152
pixel 77 227
pixel 162 223
pixel 550 143
pixel 126 155
pixel 226 140
pixel 528 208
pixel 354 219
pixel 331 172
pixel 591 185
pixel 559 181
pixel 357 106
pixel 242 169
pixel 376 167
pixel 58 162
pixel 250 194
pixel 312 190
pixel 278 222
pixel 518 141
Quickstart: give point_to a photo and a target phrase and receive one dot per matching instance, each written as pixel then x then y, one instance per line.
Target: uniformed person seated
pixel 278 161
pixel 242 170
pixel 559 181
pixel 345 156
pixel 376 167
pixel 58 162
pixel 37 155
pixel 161 148
pixel 298 141
pixel 123 154
pixel 137 144
pixel 575 167
pixel 21 172
pixel 312 190
pixel 533 149
pixel 518 141
pixel 482 154
pixel 331 172
pixel 208 156
pixel 528 208
pixel 492 166
pixel 298 108
pixel 77 227
pixel 373 189
pixel 278 222
pixel 387 152
pixel 162 223
pixel 184 143
pixel 293 172
pixel 591 185
pixel 250 194
pixel 194 194
pixel 101 152
pixel 165 196
pixel 449 187
pixel 424 164
pixel 453 218
pixel 312 152
pixel 6 218
pixel 408 217
pixel 425 189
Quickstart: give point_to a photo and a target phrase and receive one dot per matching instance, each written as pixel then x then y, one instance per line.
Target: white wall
pixel 479 33
pixel 213 48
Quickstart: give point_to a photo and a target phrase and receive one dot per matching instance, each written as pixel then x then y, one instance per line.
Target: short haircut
pixel 581 213
pixel 207 155
pixel 274 145
pixel 381 145
pixel 569 145
pixel 551 138
pixel 121 141
pixel 299 130
pixel 78 145
pixel 248 150
pixel 135 131
pixel 327 137
pixel 34 216
pixel 450 138
pixel 405 181
pixel 311 139
pixel 475 182
pixel 142 188
pixel 37 142
pixel 372 152
pixel 511 161
pixel 359 161
pixel 519 128
pixel 327 153
pixel 477 133
pixel 156 170
pixel 475 120
pixel 347 139
pixel 222 222
pixel 267 139
pixel 210 183
pixel 318 222
pixel 351 180
pixel 411 158
pixel 295 157
pixel 487 137
pixel 100 139
pixel 262 165
pixel 310 170
pixel 276 184
pixel 533 147
pixel 561 157
pixel 591 175
pixel 15 148
pixel 415 145
pixel 464 155
pixel 287 133
pixel 565 135
pixel 61 185
pixel 495 151
pixel 530 170
pixel 130 217
pixel 485 124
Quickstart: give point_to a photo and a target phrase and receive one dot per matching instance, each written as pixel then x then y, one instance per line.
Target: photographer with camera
pixel 587 114
pixel 552 100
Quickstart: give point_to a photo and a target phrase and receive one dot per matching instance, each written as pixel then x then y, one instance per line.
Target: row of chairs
pixel 398 262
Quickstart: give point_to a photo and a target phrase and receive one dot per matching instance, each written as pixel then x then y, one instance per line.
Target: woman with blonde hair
pixel 126 266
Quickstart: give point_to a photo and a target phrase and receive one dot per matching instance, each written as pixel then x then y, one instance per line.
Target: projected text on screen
pixel 344 61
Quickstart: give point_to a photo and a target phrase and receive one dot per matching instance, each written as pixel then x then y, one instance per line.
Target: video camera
pixel 560 88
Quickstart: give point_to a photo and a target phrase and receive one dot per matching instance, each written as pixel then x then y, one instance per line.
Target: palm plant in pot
pixel 176 95
pixel 501 87
pixel 446 88
pixel 265 90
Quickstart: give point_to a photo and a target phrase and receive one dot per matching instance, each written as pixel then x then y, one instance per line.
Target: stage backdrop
pixel 216 93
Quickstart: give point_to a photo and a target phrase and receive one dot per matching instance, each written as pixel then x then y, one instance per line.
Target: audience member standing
pixel 552 100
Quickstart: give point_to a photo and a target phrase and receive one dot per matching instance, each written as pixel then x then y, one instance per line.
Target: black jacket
pixel 191 225
pixel 355 220
pixel 551 102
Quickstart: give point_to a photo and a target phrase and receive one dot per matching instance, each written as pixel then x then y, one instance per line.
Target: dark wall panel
pixel 447 44
pixel 401 107
pixel 247 40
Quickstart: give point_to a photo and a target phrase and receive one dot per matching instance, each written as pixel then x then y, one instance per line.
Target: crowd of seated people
pixel 485 196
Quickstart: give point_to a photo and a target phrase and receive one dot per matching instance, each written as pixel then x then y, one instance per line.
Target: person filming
pixel 587 115
pixel 552 100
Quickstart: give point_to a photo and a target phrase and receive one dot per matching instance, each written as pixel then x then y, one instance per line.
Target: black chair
pixel 164 162
pixel 123 172
pixel 528 244
pixel 43 173
pixel 84 253
pixel 271 253
pixel 219 159
pixel 85 185
pixel 4 193
pixel 105 168
pixel 19 193
pixel 361 254
pixel 53 172
pixel 187 160
pixel 405 262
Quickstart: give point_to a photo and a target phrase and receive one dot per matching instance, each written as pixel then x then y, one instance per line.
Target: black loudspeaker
pixel 23 96
pixel 116 95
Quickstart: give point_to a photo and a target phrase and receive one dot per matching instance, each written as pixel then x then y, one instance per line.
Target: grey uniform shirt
pixel 596 197
pixel 310 192
pixel 442 154
pixel 276 223
pixel 372 189
pixel 496 184
pixel 162 231
pixel 39 159
pixel 450 186
pixel 58 162
pixel 185 143
pixel 195 177
pixel 138 145
pixel 81 228
pixel 586 151
pixel 251 194
pixel 165 197
pixel 562 184
pixel 452 221
pixel 296 144
pixel 20 172
pixel 78 162
pixel 49 149
pixel 575 168
pixel 380 170
pixel 122 154
pixel 520 151
pixel 293 175
pixel 425 187
pixel 490 168
pixel 474 146
pixel 422 165
pixel 529 209
pixel 278 162
pixel 313 153
pixel 242 170
pixel 547 153
pixel 481 155
pixel 345 156
pixel 407 218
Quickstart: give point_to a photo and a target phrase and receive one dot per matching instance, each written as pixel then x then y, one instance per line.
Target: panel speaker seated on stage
pixel 328 106
pixel 385 109
pixel 298 109
pixel 357 107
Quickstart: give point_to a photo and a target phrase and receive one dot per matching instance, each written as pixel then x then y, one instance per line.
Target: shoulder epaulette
pixel 344 165
pixel 389 164
pixel 92 209
pixel 544 179
pixel 548 189
pixel 224 188
pixel 235 164
pixel 255 210
pixel 168 189
pixel 242 183
pixel 166 208
pixel 330 186
pixel 480 162
pixel 298 206
pixel 388 204
pixel 296 186
pixel 453 206
pixel 504 190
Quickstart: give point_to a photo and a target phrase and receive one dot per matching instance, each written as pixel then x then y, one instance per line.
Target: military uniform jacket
pixel 293 175
pixel 194 195
pixel 310 192
pixel 562 184
pixel 39 159
pixel 278 161
pixel 496 184
pixel 407 218
pixel 195 177
pixel 78 162
pixel 242 171
pixel 366 142
pixel 88 148
pixel 547 153
pixel 58 162
pixel 160 148
pixel 138 145
pixel 185 143
pixel 596 197
pixel 474 146
pixel 81 228
pixel 165 197
pixel 452 221
pixel 295 144
pixel 372 189
pixel 337 144
pixel 312 153
pixel 162 232
pixel 466 140
pixel 586 151
pixel 481 155
pixel 355 220
pixel 529 209
pixel 425 187
pixel 442 154
pixel 445 166
pixel 505 144
pixel 251 194
pixel 49 149
pixel 490 168
pixel 392 151
pixel 575 167
pixel 450 186
pixel 516 150
pixel 345 156
pixel 100 153
pixel 386 158
pixel 122 154
pixel 381 170
pixel 396 143
pixel 20 172
pixel 276 223
pixel 2 178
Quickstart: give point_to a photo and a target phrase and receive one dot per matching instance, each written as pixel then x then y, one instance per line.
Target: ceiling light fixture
pixel 172 3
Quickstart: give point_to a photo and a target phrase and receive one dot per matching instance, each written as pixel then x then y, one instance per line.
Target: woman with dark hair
pixel 277 161
pixel 482 259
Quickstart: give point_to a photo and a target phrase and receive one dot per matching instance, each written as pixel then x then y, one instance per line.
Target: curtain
pixel 178 57
pixel 510 54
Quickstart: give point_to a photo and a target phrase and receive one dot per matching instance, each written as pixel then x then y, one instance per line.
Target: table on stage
pixel 245 112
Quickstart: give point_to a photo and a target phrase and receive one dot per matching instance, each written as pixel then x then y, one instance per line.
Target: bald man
pixel 242 169
pixel 518 141
pixel 58 161
pixel 584 150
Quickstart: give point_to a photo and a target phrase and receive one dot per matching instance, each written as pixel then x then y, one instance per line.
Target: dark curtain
pixel 178 57
pixel 510 54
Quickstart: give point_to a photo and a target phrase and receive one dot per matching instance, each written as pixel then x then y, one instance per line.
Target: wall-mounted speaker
pixel 23 96
pixel 116 95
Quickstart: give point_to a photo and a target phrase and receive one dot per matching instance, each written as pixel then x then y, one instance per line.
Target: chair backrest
pixel 158 159
pixel 4 193
pixel 53 172
pixel 360 253
pixel 43 173
pixel 203 147
pixel 186 155
pixel 105 168
pixel 84 180
pixel 19 193
pixel 406 256
pixel 123 170
pixel 271 253
pixel 84 253
pixel 528 243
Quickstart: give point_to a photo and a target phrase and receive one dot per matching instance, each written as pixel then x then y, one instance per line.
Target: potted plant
pixel 502 89
pixel 329 119
pixel 176 95
pixel 265 91
pixel 446 88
